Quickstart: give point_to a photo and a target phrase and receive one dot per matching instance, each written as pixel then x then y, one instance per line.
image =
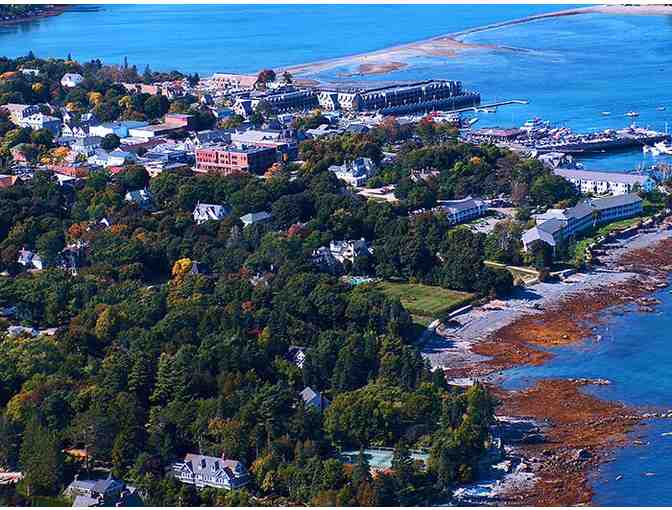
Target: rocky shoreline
pixel 53 10
pixel 572 433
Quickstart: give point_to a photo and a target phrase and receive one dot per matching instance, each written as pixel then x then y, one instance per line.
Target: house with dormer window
pixel 206 471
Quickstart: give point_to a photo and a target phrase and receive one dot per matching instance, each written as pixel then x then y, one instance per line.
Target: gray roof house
pixel 355 172
pixel 258 217
pixel 207 212
pixel 103 492
pixel 557 224
pixel 314 399
pixel 142 197
pixel 206 471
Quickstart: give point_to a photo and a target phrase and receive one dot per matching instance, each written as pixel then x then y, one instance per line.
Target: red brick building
pixel 233 160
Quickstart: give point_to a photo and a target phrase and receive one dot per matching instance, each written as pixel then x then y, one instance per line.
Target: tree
pixel 264 77
pixel 49 246
pixel 110 142
pixel 42 137
pixel 156 106
pixel 41 459
pixel 361 471
pixel 287 77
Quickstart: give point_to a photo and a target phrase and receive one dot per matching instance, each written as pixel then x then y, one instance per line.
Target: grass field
pixel 425 302
pixel 581 245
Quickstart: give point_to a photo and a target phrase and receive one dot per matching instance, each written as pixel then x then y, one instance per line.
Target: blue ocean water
pixel 570 69
pixel 632 350
pixel 240 38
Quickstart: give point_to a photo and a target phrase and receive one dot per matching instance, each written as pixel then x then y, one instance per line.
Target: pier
pixel 491 105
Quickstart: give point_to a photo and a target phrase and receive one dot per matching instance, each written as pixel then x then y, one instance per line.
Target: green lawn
pixel 602 231
pixel 425 302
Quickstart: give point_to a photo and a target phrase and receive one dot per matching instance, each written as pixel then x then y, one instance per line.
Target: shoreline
pixel 396 57
pixel 55 10
pixel 579 432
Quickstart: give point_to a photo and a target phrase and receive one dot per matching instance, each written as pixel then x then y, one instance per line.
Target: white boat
pixel 663 148
pixel 646 148
pixel 661 108
pixel 632 114
pixel 605 113
pixel 655 151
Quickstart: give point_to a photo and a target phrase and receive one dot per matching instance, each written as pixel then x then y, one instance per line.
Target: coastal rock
pixel 582 455
pixel 533 439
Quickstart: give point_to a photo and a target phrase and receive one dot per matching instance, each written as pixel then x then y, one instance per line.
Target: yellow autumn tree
pixel 125 102
pixel 72 107
pixel 38 88
pixel 95 98
pixel 181 267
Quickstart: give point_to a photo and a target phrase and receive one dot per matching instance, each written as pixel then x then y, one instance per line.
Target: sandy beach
pixel 398 57
pixel 574 432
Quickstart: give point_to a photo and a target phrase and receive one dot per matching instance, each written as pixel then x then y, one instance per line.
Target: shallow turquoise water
pixel 572 69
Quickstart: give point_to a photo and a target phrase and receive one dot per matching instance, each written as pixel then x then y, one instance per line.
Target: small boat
pixel 661 108
pixel 646 148
pixel 632 114
pixel 663 148
pixel 605 113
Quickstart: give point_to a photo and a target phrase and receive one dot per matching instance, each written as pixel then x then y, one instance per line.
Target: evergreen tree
pixel 361 471
pixel 164 387
pixel 41 459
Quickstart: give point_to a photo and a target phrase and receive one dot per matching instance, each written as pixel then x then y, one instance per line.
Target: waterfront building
pixel 606 183
pixel 556 225
pixel 292 100
pixel 231 80
pixel 206 471
pixel 399 99
pixel 228 160
pixel 355 172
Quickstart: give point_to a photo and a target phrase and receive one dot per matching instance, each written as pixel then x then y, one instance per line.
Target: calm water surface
pixel 570 69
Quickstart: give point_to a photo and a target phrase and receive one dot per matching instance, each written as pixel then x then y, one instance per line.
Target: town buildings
pixel 556 225
pixel 227 160
pixel 606 183
pixel 206 471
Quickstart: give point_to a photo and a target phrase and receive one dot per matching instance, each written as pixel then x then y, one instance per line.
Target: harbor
pixel 542 138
